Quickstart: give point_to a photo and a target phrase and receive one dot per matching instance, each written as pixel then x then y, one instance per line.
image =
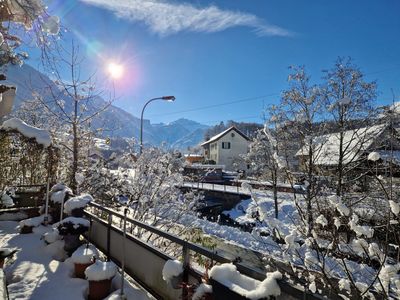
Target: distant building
pixel 358 144
pixel 225 149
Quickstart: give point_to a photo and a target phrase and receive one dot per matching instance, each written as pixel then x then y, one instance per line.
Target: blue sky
pixel 209 53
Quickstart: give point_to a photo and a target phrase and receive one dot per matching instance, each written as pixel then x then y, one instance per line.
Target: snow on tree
pixel 24 20
pixel 349 98
pixel 74 104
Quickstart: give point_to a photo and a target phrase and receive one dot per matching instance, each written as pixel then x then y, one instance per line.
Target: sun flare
pixel 115 70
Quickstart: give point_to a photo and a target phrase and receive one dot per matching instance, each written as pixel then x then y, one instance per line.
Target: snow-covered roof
pixel 41 136
pixel 355 143
pixel 220 135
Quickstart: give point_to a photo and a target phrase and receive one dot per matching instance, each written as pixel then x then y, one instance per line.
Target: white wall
pixel 239 145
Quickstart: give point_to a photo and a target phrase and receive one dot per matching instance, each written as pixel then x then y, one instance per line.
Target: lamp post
pixel 164 98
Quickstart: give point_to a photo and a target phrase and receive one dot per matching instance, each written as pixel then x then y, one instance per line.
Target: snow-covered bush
pixel 78 202
pixel 72 225
pixel 171 269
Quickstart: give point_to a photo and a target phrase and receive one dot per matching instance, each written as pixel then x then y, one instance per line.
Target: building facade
pixel 226 148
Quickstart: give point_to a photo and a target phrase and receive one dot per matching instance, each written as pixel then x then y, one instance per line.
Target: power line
pixel 216 105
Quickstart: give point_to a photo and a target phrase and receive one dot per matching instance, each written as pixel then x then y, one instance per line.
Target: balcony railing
pixel 144 262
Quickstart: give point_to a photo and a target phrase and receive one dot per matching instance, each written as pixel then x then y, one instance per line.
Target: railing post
pixel 109 224
pixel 186 264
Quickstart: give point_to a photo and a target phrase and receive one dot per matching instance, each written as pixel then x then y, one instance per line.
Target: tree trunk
pixel 275 189
pixel 309 195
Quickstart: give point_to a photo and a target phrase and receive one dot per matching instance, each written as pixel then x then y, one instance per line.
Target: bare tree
pixel 303 107
pixel 350 100
pixel 74 102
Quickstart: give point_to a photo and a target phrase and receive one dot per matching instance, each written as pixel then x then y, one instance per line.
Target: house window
pixel 226 145
pixel 232 134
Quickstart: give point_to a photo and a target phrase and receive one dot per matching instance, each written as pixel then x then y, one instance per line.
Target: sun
pixel 115 70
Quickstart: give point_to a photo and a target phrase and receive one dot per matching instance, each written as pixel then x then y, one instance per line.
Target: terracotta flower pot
pixel 99 289
pixel 80 269
pixel 26 229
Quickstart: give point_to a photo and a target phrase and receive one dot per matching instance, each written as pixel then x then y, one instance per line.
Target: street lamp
pixel 164 98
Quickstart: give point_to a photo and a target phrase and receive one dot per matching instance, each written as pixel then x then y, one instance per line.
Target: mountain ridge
pixel 120 122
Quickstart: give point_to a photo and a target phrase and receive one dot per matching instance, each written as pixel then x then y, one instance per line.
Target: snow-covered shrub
pixel 78 202
pixel 51 236
pixel 72 225
pixel 172 268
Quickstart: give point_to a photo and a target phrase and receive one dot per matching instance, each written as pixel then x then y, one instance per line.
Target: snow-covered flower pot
pixel 100 275
pixel 172 273
pixel 82 258
pixel 228 283
pixel 27 225
pixel 75 206
pixel 71 228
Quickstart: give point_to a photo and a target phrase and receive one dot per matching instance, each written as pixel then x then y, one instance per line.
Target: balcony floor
pixel 37 270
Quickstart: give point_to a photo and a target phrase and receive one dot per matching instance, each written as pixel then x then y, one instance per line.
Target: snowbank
pixel 101 271
pixel 77 202
pixel 84 254
pixel 172 268
pixel 41 136
pixel 228 275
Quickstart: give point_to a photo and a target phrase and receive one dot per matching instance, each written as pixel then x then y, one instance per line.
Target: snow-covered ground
pixel 34 273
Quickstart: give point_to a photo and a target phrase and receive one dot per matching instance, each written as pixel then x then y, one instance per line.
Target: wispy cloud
pixel 167 17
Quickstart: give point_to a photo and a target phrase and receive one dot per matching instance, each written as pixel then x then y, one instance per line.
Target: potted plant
pixel 71 228
pixel 26 226
pixel 99 276
pixel 59 193
pixel 75 205
pixel 82 258
pixel 228 283
pixel 172 273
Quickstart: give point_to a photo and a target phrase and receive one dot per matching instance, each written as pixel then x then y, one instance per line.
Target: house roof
pixel 355 143
pixel 220 135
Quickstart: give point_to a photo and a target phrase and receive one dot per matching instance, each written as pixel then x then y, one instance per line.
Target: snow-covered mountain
pixel 179 134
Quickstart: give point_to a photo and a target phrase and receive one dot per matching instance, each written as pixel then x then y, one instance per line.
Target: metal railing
pixel 103 217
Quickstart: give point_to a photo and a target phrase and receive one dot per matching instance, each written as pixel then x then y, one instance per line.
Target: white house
pixel 225 148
